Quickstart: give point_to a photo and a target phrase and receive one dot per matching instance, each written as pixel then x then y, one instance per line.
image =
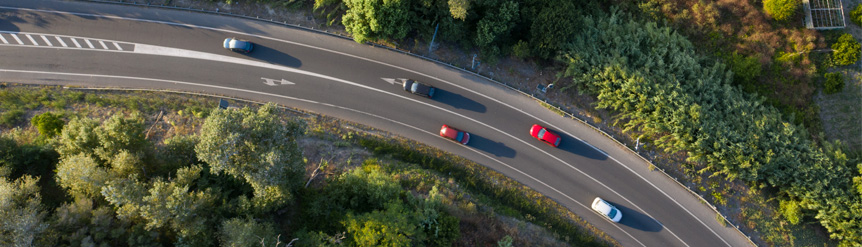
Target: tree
pixel 369 20
pixel 846 50
pixel 167 204
pixel 82 176
pixel 78 136
pixel 21 215
pixel 256 147
pixel 247 232
pixel 494 28
pixel 390 227
pixel 780 10
pixel 48 124
pixel 458 9
pixel 554 25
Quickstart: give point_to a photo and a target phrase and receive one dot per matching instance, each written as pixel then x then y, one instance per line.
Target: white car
pixel 606 209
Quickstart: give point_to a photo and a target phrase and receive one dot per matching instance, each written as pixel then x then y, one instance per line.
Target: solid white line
pixel 76 42
pixel 31 39
pixel 398 67
pixel 46 40
pixel 103 44
pixel 17 39
pixel 61 41
pixel 89 44
pixel 118 46
pixel 4 39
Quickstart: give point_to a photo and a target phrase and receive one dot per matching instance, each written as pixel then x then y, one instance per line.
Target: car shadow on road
pixel 581 148
pixel 496 148
pixel 637 220
pixel 458 101
pixel 274 56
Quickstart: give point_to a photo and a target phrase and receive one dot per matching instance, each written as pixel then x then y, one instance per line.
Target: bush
pixel 846 50
pixel 521 50
pixel 48 124
pixel 856 15
pixel 11 117
pixel 780 10
pixel 791 211
pixel 834 83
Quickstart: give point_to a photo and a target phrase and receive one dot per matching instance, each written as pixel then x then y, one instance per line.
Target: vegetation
pixel 780 10
pixel 856 15
pixel 237 180
pixel 847 50
pixel 661 89
pixel 834 83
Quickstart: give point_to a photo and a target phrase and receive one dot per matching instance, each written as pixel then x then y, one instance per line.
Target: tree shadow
pixel 637 220
pixel 273 56
pixel 496 148
pixel 458 101
pixel 581 148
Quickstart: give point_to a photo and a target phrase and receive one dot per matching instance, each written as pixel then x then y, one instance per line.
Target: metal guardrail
pixel 463 69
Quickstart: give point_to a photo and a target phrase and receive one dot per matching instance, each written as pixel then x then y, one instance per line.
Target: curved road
pixel 74 43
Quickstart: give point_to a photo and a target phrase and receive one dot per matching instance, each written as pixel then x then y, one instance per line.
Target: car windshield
pixel 460 136
pixel 612 213
pixel 541 133
pixel 415 87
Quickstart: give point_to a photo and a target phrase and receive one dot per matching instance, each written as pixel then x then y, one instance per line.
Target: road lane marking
pixel 405 69
pixel 4 39
pixel 17 39
pixel 103 45
pixel 118 46
pixel 61 41
pixel 89 44
pixel 46 40
pixel 31 39
pixel 76 42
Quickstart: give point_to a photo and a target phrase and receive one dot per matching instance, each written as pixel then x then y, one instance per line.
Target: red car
pixel 545 135
pixel 455 134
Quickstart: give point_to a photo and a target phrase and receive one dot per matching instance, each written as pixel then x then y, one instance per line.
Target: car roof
pixel 602 206
pixel 449 132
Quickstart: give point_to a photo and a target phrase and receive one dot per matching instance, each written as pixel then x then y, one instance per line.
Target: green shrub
pixel 521 49
pixel 834 83
pixel 846 50
pixel 780 10
pixel 791 211
pixel 856 15
pixel 48 124
pixel 11 117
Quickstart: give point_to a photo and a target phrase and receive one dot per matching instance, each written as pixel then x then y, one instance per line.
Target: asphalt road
pixel 132 47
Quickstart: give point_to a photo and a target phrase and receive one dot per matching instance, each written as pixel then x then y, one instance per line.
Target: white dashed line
pixel 17 39
pixel 118 46
pixel 4 40
pixel 61 41
pixel 76 42
pixel 89 44
pixel 31 39
pixel 46 40
pixel 103 45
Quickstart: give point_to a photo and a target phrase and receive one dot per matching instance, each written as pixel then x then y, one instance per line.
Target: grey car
pixel 419 88
pixel 238 45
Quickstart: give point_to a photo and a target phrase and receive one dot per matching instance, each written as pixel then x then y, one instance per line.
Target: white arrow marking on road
pixel 272 82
